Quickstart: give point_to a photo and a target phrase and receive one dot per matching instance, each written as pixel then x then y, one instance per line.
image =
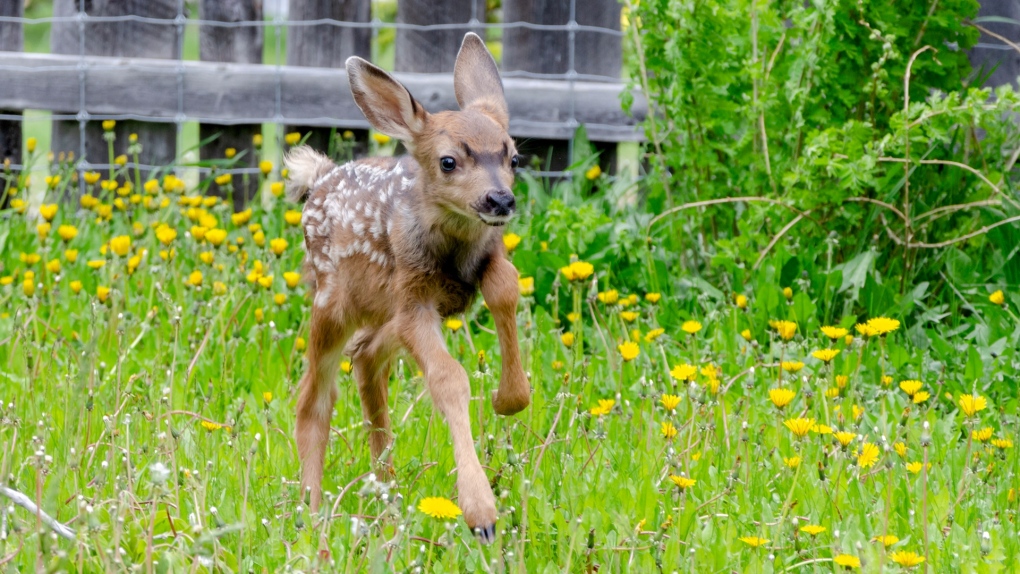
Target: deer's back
pixel 348 220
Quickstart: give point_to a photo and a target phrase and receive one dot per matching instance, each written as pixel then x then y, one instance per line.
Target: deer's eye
pixel 447 163
pixel 514 161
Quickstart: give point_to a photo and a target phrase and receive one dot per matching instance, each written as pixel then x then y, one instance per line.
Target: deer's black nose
pixel 500 202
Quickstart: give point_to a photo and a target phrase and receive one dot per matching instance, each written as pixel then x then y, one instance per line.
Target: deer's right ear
pixel 387 104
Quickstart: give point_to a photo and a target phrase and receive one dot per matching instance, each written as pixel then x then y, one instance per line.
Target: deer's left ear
pixel 476 81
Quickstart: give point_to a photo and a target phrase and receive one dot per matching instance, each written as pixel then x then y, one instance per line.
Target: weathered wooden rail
pixel 158 90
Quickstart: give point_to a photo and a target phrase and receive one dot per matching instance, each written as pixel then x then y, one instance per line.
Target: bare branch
pixel 26 503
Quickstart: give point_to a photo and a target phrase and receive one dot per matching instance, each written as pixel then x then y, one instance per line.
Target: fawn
pixel 394 245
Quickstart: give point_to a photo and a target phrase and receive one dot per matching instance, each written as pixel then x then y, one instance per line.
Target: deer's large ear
pixel 386 103
pixel 476 81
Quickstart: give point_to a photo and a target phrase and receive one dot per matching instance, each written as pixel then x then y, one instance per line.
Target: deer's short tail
pixel 305 166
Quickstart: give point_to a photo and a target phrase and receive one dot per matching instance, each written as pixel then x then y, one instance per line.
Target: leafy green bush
pixel 800 107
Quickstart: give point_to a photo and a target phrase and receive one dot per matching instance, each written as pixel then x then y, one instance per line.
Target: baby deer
pixel 394 245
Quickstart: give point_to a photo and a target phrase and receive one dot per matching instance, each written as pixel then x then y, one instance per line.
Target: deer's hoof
pixel 509 405
pixel 486 534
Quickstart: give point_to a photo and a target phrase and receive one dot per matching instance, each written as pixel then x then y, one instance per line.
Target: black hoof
pixel 486 534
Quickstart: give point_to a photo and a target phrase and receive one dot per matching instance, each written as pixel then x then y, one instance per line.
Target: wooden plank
pixel 11 39
pixel 433 51
pixel 225 93
pixel 328 46
pixel 548 52
pixel 127 38
pixel 231 44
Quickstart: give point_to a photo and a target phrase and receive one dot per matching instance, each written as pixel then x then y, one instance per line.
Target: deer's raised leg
pixel 316 398
pixel 499 287
pixel 448 384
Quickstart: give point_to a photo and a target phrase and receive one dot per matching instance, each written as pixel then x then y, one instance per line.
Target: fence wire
pixel 181 22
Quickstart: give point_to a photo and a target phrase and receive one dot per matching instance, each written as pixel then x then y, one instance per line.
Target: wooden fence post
pixel 433 51
pixel 11 40
pixel 328 46
pixel 232 44
pixel 548 52
pixel 119 38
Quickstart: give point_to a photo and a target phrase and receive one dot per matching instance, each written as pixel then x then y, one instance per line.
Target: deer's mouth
pixel 494 220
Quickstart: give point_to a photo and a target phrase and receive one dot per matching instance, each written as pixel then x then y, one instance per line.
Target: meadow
pixel 151 340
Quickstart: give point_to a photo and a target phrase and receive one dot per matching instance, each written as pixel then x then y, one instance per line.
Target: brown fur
pixel 394 245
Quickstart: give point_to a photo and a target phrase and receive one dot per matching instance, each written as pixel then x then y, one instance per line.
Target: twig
pixel 775 239
pixel 947 209
pixel 26 503
pixel 746 198
pixel 888 206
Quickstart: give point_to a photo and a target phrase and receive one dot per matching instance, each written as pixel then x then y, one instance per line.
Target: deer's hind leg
pixel 317 396
pixel 372 351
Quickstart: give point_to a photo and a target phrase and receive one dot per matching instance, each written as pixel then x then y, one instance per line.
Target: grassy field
pixel 151 341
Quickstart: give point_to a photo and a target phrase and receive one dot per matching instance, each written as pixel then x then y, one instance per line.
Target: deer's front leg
pixel 499 287
pixel 448 384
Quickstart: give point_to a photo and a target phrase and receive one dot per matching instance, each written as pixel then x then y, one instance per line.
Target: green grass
pixel 98 396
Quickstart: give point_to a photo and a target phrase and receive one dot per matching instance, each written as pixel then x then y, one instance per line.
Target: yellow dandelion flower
pixel 910 386
pixel 453 324
pixel 781 397
pixel 972 404
pixel 792 462
pixel 886 540
pixel 847 561
pixel 787 293
pixel 609 297
pixel 280 299
pixel 96 263
pixel 740 301
pixel 998 298
pixel 920 396
pixel 868 455
pixel 813 529
pixel 982 435
pixel 102 293
pixel 76 287
pixel 346 367
pixel 195 279
pixel 439 507
pixel 653 297
pixel 265 166
pixel 684 372
pixel 292 217
pixel 880 326
pixel 629 316
pixel 746 334
pixel 915 467
pixel 842 380
pixel 219 288
pixel 668 430
pixel 526 286
pixel 1002 443
pixel 900 448
pixel 799 426
pixel 593 172
pixel 216 236
pixel 844 437
pixel 604 407
pixel 300 344
pixel 567 339
pixel 211 426
pixel 53 266
pixel 629 351
pixel 792 366
pixel 511 241
pixel 670 401
pixel 906 558
pixel 381 139
pixel 292 278
pixel 753 541
pixel 785 329
pixel 278 246
pixel 690 327
pixel 825 355
pixel 834 332
pixel 292 138
pixel 577 271
pixel 821 429
pixel 48 211
pixel 682 482
pixel 654 334
pixel 832 392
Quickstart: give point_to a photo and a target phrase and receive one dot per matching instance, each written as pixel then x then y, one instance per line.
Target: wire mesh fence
pixel 84 66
